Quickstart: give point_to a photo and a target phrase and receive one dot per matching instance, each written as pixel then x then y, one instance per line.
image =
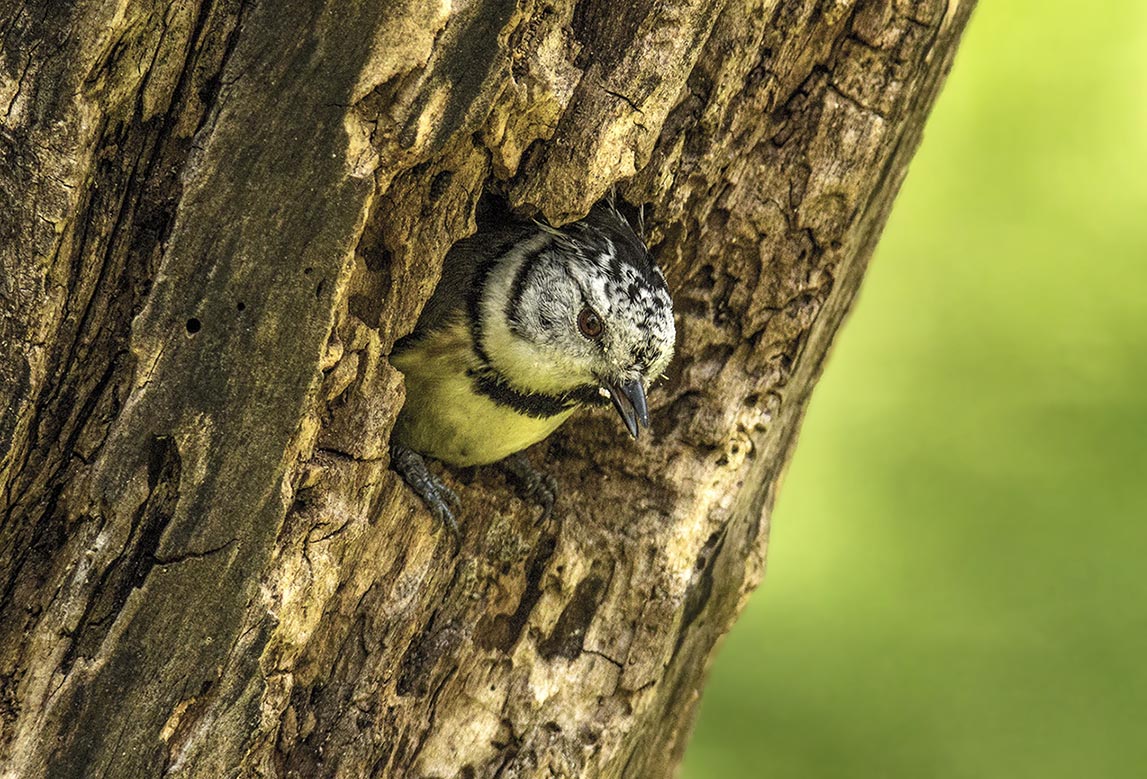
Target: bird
pixel 529 322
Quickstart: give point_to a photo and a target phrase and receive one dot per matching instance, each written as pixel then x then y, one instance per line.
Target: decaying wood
pixel 215 220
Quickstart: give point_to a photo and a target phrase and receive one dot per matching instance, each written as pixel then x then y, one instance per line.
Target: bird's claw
pixel 438 498
pixel 533 485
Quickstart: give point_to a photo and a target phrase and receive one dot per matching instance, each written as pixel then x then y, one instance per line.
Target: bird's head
pixel 581 312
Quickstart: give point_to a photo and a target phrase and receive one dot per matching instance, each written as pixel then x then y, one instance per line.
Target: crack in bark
pixel 604 656
pixel 184 557
pixel 623 98
pixel 567 637
pixel 701 589
pixel 130 569
pixel 341 455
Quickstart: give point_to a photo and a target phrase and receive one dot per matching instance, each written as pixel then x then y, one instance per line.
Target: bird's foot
pixel 439 498
pixel 533 485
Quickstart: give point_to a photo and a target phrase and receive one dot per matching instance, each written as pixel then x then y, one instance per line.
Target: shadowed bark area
pixel 216 218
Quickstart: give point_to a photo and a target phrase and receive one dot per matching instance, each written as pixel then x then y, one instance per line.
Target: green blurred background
pixel 957 582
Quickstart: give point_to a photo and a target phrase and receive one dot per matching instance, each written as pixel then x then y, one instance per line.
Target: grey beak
pixel 629 399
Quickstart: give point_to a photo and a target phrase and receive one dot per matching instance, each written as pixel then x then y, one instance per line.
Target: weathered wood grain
pixel 215 220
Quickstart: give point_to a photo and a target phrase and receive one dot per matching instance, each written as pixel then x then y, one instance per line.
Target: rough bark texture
pixel 215 220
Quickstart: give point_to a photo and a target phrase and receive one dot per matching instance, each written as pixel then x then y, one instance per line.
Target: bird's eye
pixel 589 323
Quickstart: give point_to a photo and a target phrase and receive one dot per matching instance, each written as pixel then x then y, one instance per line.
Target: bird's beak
pixel 629 399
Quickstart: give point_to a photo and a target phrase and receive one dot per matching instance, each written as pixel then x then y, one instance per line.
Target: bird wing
pixel 463 269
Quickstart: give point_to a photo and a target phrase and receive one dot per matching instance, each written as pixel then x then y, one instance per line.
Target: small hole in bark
pixel 194 326
pixel 240 306
pixel 308 271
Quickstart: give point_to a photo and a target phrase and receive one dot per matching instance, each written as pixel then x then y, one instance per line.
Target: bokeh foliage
pixel 957 584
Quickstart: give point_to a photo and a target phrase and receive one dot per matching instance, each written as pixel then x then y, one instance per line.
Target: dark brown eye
pixel 589 323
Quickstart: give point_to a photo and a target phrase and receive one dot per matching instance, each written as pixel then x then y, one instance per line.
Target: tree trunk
pixel 215 220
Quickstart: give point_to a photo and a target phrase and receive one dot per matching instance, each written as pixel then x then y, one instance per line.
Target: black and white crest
pixel 633 286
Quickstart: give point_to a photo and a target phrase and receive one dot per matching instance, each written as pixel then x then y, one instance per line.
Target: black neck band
pixel 539 405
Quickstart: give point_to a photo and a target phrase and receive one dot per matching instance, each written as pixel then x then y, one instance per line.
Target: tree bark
pixel 215 220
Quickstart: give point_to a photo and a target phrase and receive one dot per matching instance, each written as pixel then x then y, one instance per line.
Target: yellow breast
pixel 445 418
